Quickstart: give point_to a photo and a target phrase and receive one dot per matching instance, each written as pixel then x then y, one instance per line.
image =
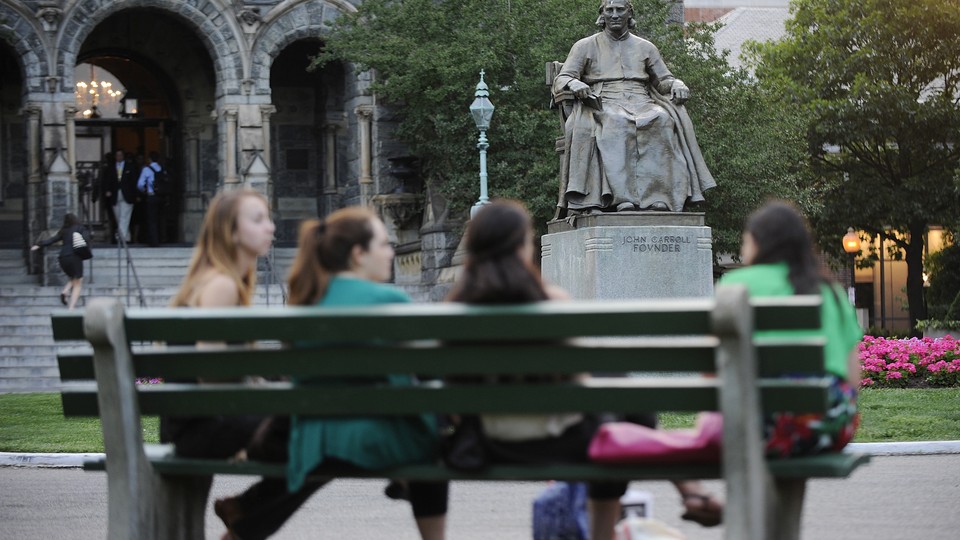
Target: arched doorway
pixel 157 60
pixel 308 137
pixel 13 159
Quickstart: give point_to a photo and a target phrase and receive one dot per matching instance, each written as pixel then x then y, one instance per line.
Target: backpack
pixel 162 183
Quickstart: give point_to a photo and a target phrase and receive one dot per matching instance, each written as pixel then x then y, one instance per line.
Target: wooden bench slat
pixel 596 396
pixel 796 312
pixel 67 325
pixel 838 465
pixel 438 321
pixel 693 354
pixel 786 312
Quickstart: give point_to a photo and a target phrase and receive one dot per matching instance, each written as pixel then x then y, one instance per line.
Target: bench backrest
pixel 435 341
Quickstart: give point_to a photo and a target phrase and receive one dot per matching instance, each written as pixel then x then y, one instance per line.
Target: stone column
pixel 35 198
pixel 364 121
pixel 230 178
pixel 71 126
pixel 266 111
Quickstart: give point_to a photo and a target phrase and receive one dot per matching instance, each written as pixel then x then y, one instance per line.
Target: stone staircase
pixel 27 353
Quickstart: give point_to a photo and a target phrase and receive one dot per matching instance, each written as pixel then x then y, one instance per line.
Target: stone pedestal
pixel 629 255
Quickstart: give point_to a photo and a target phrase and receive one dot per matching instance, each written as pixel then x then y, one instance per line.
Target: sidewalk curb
pixel 919 448
pixel 53 461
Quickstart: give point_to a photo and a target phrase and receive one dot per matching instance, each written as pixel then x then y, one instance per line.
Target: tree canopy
pixel 879 81
pixel 427 55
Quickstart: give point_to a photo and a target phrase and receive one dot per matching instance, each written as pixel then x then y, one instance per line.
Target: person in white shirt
pixel 146 184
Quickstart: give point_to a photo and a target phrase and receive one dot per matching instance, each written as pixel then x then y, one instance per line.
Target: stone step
pixel 21 372
pixel 29 384
pixel 27 360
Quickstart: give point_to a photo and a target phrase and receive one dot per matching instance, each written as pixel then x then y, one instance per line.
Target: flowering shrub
pixel 900 363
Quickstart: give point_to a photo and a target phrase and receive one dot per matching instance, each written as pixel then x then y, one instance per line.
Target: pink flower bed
pixel 909 362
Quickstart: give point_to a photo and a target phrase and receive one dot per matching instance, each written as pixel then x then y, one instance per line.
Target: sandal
pixel 63 298
pixel 228 510
pixel 708 511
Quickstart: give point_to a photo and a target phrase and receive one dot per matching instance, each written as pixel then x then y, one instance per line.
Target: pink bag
pixel 624 442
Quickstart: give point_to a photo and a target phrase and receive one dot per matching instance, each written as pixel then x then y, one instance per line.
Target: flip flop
pixel 708 513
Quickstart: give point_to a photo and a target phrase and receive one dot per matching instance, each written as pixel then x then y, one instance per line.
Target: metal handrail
pixel 272 278
pixel 122 247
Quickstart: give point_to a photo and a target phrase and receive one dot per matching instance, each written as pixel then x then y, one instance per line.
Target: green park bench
pixel 682 354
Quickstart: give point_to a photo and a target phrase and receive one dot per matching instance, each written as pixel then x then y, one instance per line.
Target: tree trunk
pixel 914 256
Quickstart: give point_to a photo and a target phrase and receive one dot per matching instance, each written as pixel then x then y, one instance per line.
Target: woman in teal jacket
pixel 343 260
pixel 778 249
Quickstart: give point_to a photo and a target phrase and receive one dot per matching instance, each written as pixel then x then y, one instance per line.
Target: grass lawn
pixel 35 422
pixel 891 415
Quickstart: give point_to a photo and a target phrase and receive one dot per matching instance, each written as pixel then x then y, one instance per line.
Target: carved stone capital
pixel 250 19
pixel 400 208
pixel 49 17
pixel 364 111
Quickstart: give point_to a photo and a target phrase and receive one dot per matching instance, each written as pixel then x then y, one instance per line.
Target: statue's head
pixel 609 9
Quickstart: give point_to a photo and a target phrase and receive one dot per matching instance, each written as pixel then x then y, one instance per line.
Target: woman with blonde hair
pixel 344 260
pixel 236 230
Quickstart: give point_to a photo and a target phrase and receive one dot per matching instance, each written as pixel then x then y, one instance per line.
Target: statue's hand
pixel 679 93
pixel 580 89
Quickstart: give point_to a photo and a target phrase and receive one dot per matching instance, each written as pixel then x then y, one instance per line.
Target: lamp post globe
pixel 851 244
pixel 482 112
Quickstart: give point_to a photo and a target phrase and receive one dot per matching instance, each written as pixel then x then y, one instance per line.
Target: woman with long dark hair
pixel 778 249
pixel 344 260
pixel 70 262
pixel 499 270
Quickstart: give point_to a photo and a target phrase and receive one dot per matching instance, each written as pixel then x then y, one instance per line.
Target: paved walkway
pixel 893 498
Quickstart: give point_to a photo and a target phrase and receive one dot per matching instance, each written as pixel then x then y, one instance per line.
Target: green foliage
pixel 878 80
pixel 427 55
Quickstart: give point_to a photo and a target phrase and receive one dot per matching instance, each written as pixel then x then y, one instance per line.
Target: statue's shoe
pixel 658 206
pixel 626 207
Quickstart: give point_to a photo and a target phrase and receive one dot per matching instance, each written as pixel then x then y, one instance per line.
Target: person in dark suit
pixel 106 193
pixel 120 190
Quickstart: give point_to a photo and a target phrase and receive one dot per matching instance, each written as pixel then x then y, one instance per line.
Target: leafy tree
pixel 427 55
pixel 879 80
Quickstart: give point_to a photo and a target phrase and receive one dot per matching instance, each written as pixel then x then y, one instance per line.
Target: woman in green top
pixel 778 249
pixel 343 260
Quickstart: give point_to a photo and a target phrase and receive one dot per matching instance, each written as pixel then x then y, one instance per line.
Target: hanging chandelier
pixel 93 95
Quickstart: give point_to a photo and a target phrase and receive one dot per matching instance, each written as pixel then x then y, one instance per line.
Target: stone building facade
pixel 224 98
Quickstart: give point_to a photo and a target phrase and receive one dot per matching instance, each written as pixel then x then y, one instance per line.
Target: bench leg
pixel 181 505
pixel 788 509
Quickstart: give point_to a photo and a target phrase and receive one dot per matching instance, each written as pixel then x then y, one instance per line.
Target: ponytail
pixel 308 279
pixel 325 248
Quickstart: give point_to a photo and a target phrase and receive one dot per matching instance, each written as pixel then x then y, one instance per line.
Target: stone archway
pixel 169 40
pixel 13 161
pixel 219 33
pixel 283 27
pixel 23 33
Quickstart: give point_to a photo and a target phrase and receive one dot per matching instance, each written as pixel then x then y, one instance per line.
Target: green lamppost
pixel 482 111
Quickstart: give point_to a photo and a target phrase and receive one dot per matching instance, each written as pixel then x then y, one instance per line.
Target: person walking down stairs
pixel 71 257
